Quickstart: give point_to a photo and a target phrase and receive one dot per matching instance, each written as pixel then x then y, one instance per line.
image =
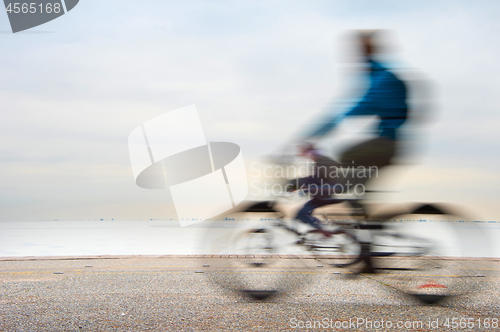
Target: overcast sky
pixel 73 89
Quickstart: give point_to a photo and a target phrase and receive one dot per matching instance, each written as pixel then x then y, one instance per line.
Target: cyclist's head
pixel 364 45
pixel 367 41
pixel 376 43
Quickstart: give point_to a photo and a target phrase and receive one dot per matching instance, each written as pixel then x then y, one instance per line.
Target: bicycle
pixel 277 254
pixel 391 243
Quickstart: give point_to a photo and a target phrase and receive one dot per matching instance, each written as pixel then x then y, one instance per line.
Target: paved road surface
pixel 177 294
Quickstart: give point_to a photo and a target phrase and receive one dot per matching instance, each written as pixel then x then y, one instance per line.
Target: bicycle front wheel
pixel 341 249
pixel 260 261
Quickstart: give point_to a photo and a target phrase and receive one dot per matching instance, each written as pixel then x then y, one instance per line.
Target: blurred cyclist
pixel 386 99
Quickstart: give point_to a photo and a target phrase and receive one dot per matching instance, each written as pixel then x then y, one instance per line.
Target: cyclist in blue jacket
pixel 385 98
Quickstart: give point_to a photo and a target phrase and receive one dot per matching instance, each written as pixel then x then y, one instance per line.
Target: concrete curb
pixel 43 258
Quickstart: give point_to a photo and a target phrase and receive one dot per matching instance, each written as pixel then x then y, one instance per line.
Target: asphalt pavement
pixel 199 293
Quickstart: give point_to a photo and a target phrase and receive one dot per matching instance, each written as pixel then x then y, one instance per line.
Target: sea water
pixel 166 237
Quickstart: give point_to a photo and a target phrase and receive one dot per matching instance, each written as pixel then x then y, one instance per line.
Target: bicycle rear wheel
pixel 421 253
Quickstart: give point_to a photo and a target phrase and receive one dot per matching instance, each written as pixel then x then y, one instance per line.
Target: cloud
pixel 257 71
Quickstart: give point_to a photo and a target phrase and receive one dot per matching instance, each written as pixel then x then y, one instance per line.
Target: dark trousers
pixel 322 192
pixel 374 152
pixel 305 214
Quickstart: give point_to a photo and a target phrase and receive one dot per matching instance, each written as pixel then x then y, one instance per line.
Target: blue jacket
pixel 385 98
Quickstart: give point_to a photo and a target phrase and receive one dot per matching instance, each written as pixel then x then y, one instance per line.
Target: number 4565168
pixel 33 8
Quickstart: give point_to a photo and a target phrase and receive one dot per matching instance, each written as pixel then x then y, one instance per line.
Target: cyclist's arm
pixel 365 106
